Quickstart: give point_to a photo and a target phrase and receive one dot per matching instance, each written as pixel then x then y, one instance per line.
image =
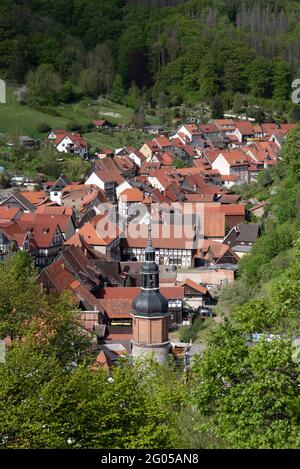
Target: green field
pixel 116 140
pixel 17 119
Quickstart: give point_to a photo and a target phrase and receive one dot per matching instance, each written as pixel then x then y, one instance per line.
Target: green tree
pixel 75 168
pixel 59 407
pixel 208 79
pixel 138 118
pixel 18 294
pixel 295 114
pixel 89 82
pixel 260 78
pixel 217 108
pixel 118 91
pixel 248 394
pixel 48 163
pixel 282 80
pixel 68 93
pixel 237 103
pixel 133 99
pixel 44 86
pixel 178 163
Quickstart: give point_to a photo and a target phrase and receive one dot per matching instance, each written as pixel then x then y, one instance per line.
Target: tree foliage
pixel 192 49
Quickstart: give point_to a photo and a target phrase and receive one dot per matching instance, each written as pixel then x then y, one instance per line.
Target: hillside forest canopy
pixel 167 51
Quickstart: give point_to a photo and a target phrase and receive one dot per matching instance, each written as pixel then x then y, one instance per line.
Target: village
pixel 172 199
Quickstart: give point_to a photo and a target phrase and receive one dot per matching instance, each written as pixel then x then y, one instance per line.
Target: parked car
pixel 206 313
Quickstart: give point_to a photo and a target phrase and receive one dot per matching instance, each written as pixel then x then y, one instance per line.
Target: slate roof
pixel 21 199
pixel 247 232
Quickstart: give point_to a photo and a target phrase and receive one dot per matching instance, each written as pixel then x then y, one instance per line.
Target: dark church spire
pixel 150 312
pixel 150 301
pixel 149 251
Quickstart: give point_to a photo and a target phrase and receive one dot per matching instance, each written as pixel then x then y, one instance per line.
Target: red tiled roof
pixel 165 239
pixel 234 157
pixel 166 158
pixel 177 142
pixel 214 221
pixel 258 206
pixel 233 209
pixel 257 129
pixel 89 197
pixel 162 141
pixel 216 250
pixel 132 195
pixel 190 283
pixel 152 145
pixel 211 155
pixel 41 230
pixel 209 128
pixel 114 293
pixel 229 198
pixel 35 197
pixel 223 124
pixel 104 361
pixel 285 128
pixel 62 280
pixel 14 232
pixel 229 178
pixel 190 150
pixel 148 167
pixel 94 234
pixel 54 210
pixel 192 129
pixel 76 139
pixel 8 213
pixel 269 128
pixel 245 127
pixel 99 122
pixel 49 218
pixel 199 198
pixel 117 301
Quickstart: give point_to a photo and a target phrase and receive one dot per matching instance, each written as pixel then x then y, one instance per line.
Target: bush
pixel 45 109
pixel 74 127
pixel 43 128
pixel 186 334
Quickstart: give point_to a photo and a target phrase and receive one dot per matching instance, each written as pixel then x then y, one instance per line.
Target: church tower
pixel 150 313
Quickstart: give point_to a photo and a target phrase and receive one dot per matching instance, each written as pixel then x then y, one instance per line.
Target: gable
pixel 60 184
pixel 18 201
pixel 3 238
pixel 57 237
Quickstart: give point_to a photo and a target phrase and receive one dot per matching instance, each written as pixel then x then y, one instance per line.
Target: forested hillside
pixel 275 252
pixel 173 50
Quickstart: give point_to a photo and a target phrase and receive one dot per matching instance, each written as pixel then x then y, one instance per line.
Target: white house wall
pixel 94 179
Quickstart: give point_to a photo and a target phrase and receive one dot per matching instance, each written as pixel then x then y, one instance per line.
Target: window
pixel 121 322
pixel 175 261
pixel 151 282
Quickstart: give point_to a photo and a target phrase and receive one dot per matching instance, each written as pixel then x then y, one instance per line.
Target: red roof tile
pixel 132 195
